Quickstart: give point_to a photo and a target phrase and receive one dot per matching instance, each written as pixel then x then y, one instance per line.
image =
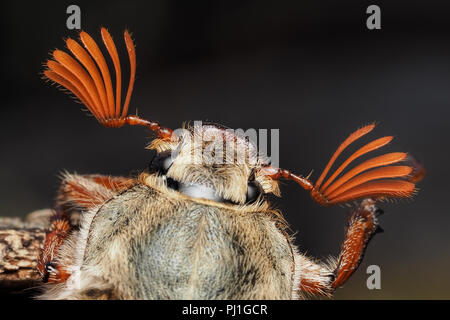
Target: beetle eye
pixel 161 162
pixel 253 191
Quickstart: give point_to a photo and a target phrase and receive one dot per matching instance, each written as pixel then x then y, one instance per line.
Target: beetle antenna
pixel 93 88
pixel 374 178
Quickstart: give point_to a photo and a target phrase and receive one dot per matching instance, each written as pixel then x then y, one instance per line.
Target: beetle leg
pixel 363 225
pixel 323 279
pixel 60 228
pixel 82 192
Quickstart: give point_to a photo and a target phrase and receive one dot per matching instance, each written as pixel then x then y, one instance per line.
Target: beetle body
pixel 197 224
pixel 151 242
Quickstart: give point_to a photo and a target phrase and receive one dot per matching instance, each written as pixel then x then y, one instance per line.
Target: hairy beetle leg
pixel 323 279
pixel 363 225
pixel 60 228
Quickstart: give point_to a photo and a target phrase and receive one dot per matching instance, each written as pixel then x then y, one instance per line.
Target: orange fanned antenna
pixel 375 178
pixel 86 75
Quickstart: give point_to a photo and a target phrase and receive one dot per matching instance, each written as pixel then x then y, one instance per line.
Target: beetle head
pixel 215 157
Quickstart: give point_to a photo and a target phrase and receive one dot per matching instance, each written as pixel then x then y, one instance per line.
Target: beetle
pixel 184 229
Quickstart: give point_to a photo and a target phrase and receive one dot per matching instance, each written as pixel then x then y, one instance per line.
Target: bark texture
pixel 20 243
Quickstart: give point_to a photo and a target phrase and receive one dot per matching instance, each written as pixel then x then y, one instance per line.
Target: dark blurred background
pixel 310 68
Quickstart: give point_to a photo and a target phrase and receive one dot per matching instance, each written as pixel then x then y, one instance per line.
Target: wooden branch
pixel 20 243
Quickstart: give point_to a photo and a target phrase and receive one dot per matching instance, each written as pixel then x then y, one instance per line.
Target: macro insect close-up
pixel 194 227
pixel 203 211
